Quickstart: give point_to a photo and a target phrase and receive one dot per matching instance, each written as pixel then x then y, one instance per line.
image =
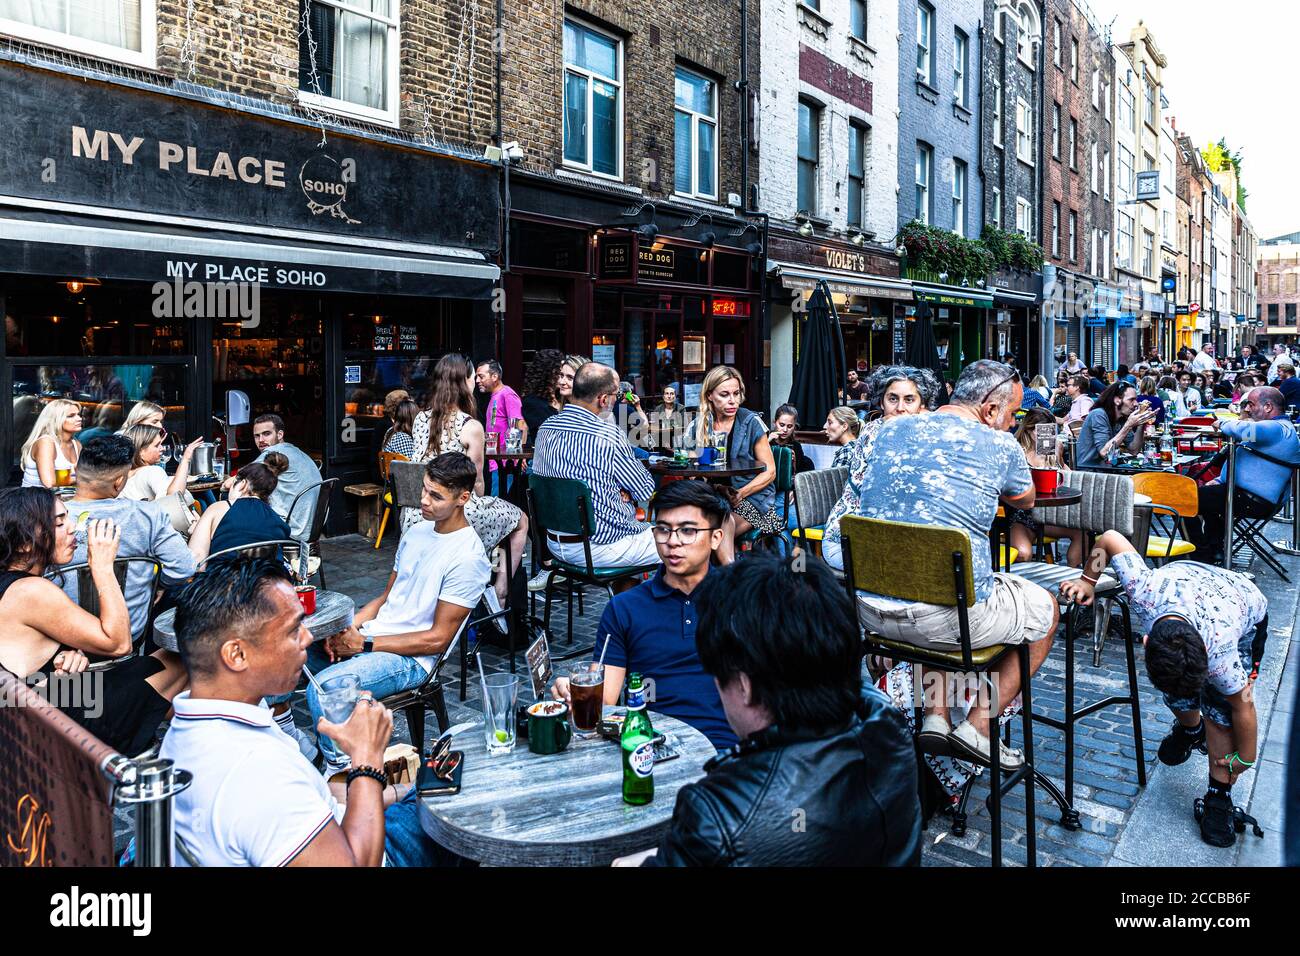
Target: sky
pixel 1231 74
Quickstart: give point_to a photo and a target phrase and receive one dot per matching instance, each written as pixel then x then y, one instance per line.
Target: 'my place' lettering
pixel 173 157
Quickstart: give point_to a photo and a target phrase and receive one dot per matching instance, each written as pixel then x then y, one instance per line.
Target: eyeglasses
pixel 686 534
pixel 1013 377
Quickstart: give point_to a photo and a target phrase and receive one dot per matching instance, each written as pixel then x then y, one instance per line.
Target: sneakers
pixel 538 581
pixel 1215 812
pixel 969 744
pixel 1179 744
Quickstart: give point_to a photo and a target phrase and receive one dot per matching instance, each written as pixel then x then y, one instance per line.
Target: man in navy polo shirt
pixel 651 628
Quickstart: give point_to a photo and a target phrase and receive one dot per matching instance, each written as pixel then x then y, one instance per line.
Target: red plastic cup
pixel 307 597
pixel 1046 480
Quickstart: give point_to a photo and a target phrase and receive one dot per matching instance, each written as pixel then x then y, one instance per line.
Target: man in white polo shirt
pixel 255 800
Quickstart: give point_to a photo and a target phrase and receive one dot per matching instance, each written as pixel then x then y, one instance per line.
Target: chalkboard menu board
pixel 396 338
pixel 900 340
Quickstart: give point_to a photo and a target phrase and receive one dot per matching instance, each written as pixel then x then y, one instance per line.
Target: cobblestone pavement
pixel 1122 823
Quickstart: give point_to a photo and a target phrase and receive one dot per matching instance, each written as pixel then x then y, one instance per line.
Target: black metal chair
pixel 317 497
pixel 258 549
pixel 938 571
pixel 428 694
pixel 87 596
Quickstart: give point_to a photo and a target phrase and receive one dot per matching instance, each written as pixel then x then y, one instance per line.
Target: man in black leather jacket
pixel 825 774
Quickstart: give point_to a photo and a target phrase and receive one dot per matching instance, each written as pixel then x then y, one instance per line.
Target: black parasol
pixel 921 349
pixel 819 370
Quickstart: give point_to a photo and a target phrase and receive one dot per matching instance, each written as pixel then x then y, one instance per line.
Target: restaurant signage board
pixel 99 144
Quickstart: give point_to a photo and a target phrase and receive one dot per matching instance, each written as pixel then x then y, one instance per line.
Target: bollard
pixel 1230 480
pixel 151 785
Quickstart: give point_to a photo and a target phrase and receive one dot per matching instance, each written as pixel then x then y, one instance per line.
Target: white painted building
pixel 828 156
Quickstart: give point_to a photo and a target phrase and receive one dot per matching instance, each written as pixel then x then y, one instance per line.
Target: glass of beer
pixel 587 693
pixel 62 477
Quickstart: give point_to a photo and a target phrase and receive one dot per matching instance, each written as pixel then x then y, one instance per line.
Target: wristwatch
pixel 367 645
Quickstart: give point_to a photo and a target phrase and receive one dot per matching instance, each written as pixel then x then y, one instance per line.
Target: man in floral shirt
pixel 1204 631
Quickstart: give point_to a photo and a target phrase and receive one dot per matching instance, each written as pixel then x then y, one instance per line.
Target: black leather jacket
pixel 847 798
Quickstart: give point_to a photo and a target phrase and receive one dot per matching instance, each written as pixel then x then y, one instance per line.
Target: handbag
pixel 179 509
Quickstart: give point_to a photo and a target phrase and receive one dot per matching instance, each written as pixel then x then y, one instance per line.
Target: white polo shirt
pixel 255 799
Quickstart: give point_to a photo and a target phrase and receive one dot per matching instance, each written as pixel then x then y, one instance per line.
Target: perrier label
pixel 638 747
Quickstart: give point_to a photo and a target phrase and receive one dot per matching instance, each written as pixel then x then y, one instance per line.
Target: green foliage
pixel 1219 157
pixel 1011 250
pixel 931 249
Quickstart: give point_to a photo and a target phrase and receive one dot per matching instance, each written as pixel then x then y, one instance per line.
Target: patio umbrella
pixel 921 349
pixel 819 370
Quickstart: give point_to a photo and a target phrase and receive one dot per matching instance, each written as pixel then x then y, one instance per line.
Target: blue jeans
pixel 379 672
pixel 406 843
pixel 494 483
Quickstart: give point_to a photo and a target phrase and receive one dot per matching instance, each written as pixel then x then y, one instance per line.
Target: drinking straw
pixel 487 705
pixel 601 662
pixel 312 677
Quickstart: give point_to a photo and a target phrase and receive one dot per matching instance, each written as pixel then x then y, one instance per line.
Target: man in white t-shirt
pixel 1204 630
pixel 438 577
pixel 255 800
pixel 1205 360
pixel 1280 356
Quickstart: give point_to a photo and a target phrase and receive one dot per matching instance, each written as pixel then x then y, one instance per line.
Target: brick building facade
pixel 1278 288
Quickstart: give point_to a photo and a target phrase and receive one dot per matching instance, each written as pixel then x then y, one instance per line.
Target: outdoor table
pixel 567 809
pixel 334 613
pixel 716 473
pixel 203 484
pixel 512 471
pixel 1064 495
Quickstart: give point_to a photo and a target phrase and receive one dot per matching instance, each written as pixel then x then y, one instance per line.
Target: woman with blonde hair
pixel 52 445
pixel 447 425
pixel 148 480
pixel 143 413
pixel 843 428
pixel 722 421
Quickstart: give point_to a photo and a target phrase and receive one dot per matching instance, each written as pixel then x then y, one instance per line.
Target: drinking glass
pixel 338 696
pixel 720 446
pixel 219 469
pixel 587 692
pixel 500 698
pixel 492 439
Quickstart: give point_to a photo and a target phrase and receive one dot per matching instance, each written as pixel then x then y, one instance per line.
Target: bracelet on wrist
pixel 371 772
pixel 1092 581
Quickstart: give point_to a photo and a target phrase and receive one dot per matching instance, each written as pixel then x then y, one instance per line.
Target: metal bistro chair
pixel 938 571
pixel 317 496
pixel 815 496
pixel 1107 505
pixel 1173 497
pixel 386 458
pixel 562 507
pixel 258 549
pixel 428 694
pixel 87 596
pixel 495 613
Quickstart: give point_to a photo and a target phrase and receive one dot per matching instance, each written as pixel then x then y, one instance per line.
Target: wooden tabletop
pixel 567 809
pixel 334 612
pixel 707 472
pixel 1062 496
pixel 203 484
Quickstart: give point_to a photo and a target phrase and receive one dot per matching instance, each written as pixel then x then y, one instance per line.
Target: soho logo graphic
pixel 324 182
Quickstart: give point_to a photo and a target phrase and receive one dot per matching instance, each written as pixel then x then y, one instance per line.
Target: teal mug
pixel 548 727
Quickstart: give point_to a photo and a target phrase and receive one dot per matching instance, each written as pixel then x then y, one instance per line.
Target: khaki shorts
pixel 1017 612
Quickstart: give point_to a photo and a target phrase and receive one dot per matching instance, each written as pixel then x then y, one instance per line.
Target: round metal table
pixel 567 809
pixel 334 613
pixel 1063 495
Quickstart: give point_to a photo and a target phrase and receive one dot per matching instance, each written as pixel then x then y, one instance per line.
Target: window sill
pixel 1023 161
pixel 997 146
pixel 962 112
pixel 328 104
pixel 814 21
pixel 862 50
pixel 927 92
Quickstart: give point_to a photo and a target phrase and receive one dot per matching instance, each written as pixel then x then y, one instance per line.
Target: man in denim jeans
pixel 438 577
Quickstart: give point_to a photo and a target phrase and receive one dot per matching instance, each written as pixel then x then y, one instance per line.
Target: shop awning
pixel 952 296
pixel 78 245
pixel 799 278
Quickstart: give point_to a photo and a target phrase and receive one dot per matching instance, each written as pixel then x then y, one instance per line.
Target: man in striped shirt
pixel 583 442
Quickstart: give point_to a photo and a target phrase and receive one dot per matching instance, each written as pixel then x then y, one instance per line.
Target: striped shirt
pixel 574 443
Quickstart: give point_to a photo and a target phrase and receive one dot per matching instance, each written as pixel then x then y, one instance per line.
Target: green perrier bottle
pixel 638 748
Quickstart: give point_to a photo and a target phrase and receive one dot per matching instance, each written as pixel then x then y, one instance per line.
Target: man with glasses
pixel 651 628
pixel 1261 484
pixel 582 442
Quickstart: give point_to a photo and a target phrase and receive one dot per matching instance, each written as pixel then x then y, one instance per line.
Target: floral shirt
pixel 1222 605
pixel 945 470
pixel 848 503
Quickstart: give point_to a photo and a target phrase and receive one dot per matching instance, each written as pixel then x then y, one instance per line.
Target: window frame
pixel 146 57
pixel 960 68
pixel 924 187
pixel 621 132
pixel 997 113
pixel 1056 47
pixel 1074 144
pixel 1024 136
pixel 696 120
pixel 862 133
pixel 925 18
pixel 1028 208
pixel 1073 220
pixel 1024 46
pixel 996 215
pixel 1056 131
pixel 960 176
pixel 1056 229
pixel 1074 60
pixel 815 113
pixel 393 73
pixel 866 19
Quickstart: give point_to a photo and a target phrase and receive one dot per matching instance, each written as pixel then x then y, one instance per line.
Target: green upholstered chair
pixel 563 506
pixel 783 459
pixel 921 563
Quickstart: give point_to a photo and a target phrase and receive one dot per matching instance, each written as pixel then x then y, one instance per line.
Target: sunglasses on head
pixel 1013 377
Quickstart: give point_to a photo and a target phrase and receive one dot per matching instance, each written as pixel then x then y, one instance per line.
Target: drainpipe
pixel 504 197
pixel 742 87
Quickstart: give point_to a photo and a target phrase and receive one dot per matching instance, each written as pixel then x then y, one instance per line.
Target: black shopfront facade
pixel 161 246
pixel 660 291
